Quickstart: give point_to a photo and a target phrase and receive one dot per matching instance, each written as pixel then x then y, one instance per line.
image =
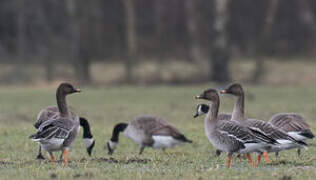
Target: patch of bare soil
pixel 5 163
pixel 122 161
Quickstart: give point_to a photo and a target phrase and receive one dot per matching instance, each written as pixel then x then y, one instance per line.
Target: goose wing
pixel 50 113
pixel 289 122
pixel 163 128
pixel 155 126
pixel 237 132
pixel 59 128
pixel 270 131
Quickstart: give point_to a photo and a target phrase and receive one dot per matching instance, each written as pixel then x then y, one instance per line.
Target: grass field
pixel 104 107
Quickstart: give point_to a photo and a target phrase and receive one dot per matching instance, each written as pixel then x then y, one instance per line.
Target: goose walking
pixel 293 124
pixel 230 136
pixel 52 112
pixel 147 131
pixel 285 141
pixel 58 134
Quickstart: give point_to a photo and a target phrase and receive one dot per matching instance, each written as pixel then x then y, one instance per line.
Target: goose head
pixel 234 89
pixel 67 88
pixel 201 109
pixel 209 94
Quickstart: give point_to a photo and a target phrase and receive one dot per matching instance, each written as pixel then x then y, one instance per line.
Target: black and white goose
pixel 285 141
pixel 293 124
pixel 230 136
pixel 58 134
pixel 148 131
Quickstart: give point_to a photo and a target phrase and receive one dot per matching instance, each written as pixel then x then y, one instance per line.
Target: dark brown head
pixel 66 88
pixel 209 94
pixel 234 89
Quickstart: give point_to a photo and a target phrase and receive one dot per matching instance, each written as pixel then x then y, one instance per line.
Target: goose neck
pixel 62 104
pixel 238 111
pixel 86 128
pixel 213 112
pixel 120 127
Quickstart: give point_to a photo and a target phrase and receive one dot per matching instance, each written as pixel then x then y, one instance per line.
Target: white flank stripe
pixel 296 135
pixel 284 141
pixel 233 136
pixel 164 142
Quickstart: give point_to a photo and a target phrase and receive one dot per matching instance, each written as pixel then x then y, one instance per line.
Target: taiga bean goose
pixel 202 109
pixel 230 136
pixel 59 134
pixel 148 131
pixel 52 112
pixel 285 141
pixel 294 124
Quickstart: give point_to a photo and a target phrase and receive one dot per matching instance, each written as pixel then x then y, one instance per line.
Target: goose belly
pixel 135 134
pixel 284 145
pixel 164 141
pixel 253 147
pixel 53 144
pixel 218 143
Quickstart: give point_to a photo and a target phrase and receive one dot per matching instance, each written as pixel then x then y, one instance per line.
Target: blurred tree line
pixel 80 32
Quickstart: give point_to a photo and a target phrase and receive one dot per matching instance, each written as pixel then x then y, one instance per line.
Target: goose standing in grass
pixel 230 136
pixel 148 131
pixel 58 134
pixel 202 109
pixel 293 124
pixel 52 112
pixel 285 141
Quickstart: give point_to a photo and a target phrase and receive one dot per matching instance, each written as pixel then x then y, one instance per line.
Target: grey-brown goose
pixel 59 134
pixel 52 112
pixel 294 124
pixel 147 131
pixel 285 141
pixel 202 109
pixel 230 136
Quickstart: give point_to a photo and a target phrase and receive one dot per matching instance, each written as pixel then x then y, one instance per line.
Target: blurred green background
pixel 157 42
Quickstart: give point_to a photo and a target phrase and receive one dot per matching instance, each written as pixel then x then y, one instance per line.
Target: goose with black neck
pixel 147 131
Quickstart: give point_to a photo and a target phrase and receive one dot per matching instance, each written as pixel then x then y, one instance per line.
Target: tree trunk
pixel 131 39
pixel 220 48
pixel 80 58
pixel 83 68
pixel 268 22
pixel 306 14
pixel 18 74
pixel 45 48
pixel 195 53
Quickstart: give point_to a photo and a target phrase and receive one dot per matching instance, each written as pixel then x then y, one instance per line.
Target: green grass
pixel 104 107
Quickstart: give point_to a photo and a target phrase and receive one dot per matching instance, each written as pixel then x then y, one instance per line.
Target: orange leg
pixel 266 157
pixel 258 158
pixel 52 158
pixel 250 160
pixel 66 157
pixel 228 161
